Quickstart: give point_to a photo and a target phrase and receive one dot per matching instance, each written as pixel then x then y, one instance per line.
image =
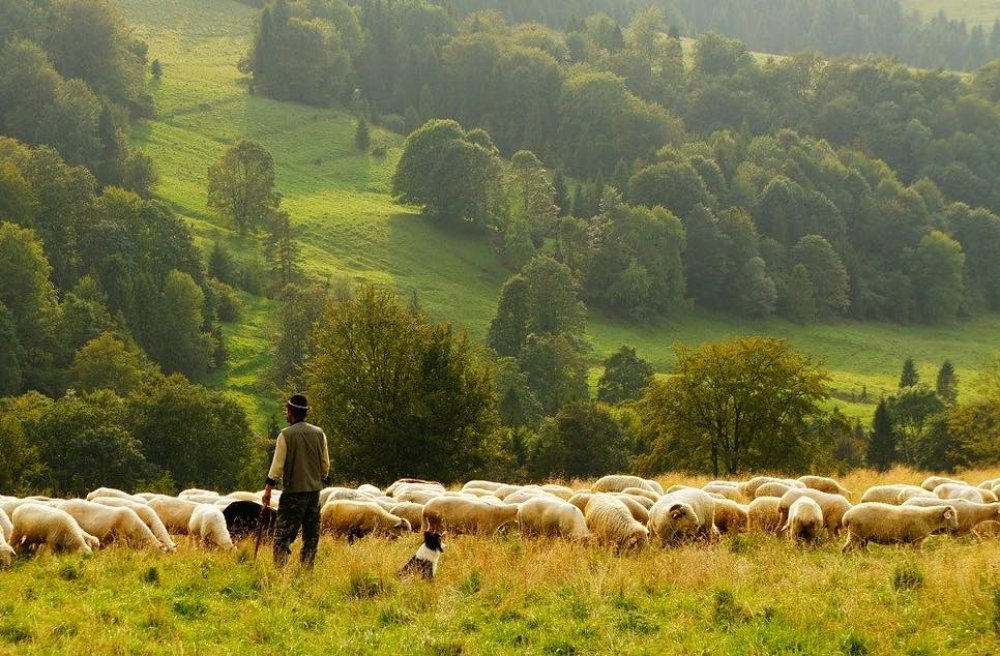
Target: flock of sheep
pixel 618 511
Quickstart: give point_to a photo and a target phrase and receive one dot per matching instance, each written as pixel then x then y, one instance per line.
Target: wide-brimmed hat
pixel 297 402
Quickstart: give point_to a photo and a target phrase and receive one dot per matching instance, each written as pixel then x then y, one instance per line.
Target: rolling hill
pixel 351 228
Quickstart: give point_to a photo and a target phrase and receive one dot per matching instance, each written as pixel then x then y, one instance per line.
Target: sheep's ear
pixel 948 512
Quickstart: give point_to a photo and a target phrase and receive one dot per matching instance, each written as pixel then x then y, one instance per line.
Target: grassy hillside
pixel 352 229
pixel 749 594
pixel 973 12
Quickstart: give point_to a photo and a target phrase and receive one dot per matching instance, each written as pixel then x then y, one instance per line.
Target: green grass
pixel 351 228
pixel 974 12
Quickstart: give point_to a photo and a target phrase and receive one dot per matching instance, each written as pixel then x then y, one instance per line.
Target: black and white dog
pixel 425 561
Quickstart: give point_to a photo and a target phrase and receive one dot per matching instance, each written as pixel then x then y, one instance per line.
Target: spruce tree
pixel 947 383
pixel 909 377
pixel 562 195
pixel 882 444
pixel 362 135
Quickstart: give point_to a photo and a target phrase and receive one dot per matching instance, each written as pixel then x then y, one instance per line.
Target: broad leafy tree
pixel 625 377
pixel 732 407
pixel 241 185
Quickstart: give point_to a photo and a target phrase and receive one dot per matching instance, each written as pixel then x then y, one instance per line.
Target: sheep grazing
pixel 208 527
pixel 883 523
pixel 970 513
pixel 416 494
pixel 894 494
pixel 370 490
pixel 415 483
pixel 521 496
pixel 731 517
pixel 145 513
pixel 560 491
pixel 805 520
pixel 37 524
pixel 110 492
pixel 174 513
pixel 411 512
pixel 824 484
pixel 620 482
pixel 610 522
pixel 357 519
pixel 749 488
pixel 932 482
pixel 681 515
pixel 764 515
pixel 653 497
pixel 833 506
pixel 109 524
pixel 490 486
pixel 581 499
pixel 552 517
pixel 243 518
pixel 960 491
pixel 466 515
pixel 5 525
pixel 771 489
pixel 638 510
pixel 725 491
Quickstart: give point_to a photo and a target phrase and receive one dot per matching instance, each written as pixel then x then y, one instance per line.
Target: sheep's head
pixel 682 516
pixel 950 518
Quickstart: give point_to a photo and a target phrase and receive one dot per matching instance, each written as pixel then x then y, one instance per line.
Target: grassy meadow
pixel 973 12
pixel 749 594
pixel 351 229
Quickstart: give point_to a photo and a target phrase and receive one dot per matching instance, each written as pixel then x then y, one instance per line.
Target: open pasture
pixel 748 594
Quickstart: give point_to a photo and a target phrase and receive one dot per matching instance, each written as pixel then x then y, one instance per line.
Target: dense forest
pixel 107 308
pixel 608 164
pixel 831 27
pixel 805 187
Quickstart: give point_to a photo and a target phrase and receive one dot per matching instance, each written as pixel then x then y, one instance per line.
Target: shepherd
pixel 302 464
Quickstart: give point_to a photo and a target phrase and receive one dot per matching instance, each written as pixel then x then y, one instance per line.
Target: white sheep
pixel 370 490
pixel 883 523
pixel 824 484
pixel 174 513
pixel 772 489
pixel 526 494
pixel 611 523
pixel 683 514
pixel 653 497
pixel 483 485
pixel 620 482
pixel 146 514
pixel 764 515
pixel 5 525
pixel 639 510
pixel 581 499
pixel 417 483
pixel 552 517
pixel 108 492
pixel 833 506
pixel 932 482
pixel 960 491
pixel 560 491
pixel 749 488
pixel 466 515
pixel 110 524
pixel 411 512
pixel 356 519
pixel 654 486
pixel 970 513
pixel 730 492
pixel 208 527
pixel 197 492
pixel 40 524
pixel 731 517
pixel 805 520
pixel 894 494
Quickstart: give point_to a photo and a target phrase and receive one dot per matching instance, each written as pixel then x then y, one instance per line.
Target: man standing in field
pixel 302 464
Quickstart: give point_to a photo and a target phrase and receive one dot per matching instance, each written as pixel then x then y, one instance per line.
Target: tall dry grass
pixel 750 594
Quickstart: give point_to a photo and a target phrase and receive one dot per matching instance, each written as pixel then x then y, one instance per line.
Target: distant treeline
pixel 804 187
pixel 831 27
pixel 71 77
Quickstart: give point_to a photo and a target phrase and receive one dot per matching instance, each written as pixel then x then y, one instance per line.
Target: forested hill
pixel 831 27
